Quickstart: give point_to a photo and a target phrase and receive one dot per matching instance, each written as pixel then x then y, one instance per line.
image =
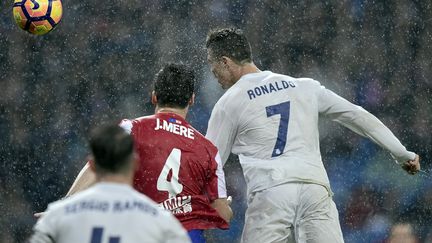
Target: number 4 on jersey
pixel 168 179
pixel 284 110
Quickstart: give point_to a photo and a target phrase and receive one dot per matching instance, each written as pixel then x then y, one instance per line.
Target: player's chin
pixel 222 84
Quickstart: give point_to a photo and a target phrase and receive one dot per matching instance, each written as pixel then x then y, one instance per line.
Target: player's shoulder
pixel 59 205
pixel 156 209
pixel 203 141
pixel 129 124
pixel 200 141
pixel 306 82
pixel 231 101
pixel 143 198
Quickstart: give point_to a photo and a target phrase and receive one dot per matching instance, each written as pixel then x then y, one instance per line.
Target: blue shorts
pixel 196 236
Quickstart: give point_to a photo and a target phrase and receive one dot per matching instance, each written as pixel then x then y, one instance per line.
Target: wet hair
pixel 112 148
pixel 174 85
pixel 229 42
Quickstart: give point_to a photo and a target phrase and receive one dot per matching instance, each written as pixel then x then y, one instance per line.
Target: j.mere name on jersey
pixel 269 88
pixel 174 128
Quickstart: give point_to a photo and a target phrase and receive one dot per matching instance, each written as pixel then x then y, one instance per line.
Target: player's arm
pixel 216 188
pixel 84 180
pixel 365 124
pixel 222 206
pixel 221 131
pixel 87 177
pixel 40 237
pixel 45 227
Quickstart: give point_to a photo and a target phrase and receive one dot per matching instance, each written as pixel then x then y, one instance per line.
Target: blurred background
pixel 98 64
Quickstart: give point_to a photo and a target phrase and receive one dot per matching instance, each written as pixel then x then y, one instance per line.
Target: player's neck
pixel 248 68
pixel 177 111
pixel 112 178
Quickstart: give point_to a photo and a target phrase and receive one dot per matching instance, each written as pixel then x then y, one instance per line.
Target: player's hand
pixel 38 215
pixel 229 200
pixel 412 166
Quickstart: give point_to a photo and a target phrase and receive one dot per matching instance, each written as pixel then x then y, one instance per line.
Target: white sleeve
pixel 362 122
pixel 222 192
pixel 40 237
pixel 221 132
pixel 45 228
pixel 126 125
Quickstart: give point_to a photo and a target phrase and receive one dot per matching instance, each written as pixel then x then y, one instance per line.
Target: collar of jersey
pixel 171 114
pixel 253 75
pixel 112 185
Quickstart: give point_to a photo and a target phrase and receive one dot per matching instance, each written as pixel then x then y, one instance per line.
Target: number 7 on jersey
pixel 284 110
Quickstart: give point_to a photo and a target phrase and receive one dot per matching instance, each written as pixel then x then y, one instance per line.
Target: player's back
pixel 275 129
pixel 178 169
pixel 109 212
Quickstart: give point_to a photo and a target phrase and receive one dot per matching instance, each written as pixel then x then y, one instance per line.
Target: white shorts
pixel 292 212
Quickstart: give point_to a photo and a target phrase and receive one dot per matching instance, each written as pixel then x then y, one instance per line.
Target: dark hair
pixel 112 148
pixel 174 85
pixel 229 42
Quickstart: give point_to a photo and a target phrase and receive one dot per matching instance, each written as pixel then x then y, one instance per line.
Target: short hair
pixel 229 42
pixel 174 85
pixel 112 148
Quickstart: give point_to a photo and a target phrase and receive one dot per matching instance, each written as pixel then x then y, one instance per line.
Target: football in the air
pixel 37 16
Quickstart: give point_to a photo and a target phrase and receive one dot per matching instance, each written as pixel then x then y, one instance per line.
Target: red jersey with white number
pixel 179 169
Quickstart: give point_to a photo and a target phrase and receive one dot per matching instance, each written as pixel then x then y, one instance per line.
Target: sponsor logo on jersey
pixel 269 88
pixel 177 204
pixel 174 126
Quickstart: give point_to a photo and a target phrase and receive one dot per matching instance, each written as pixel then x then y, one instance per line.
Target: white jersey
pixel 271 121
pixel 108 213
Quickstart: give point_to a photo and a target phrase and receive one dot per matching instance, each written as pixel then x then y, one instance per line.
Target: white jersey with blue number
pixel 271 121
pixel 108 213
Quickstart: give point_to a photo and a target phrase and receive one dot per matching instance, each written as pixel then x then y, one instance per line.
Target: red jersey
pixel 179 169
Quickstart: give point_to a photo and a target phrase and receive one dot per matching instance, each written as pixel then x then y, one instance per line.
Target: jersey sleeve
pixel 126 125
pixel 40 237
pixel 362 122
pixel 221 132
pixel 45 228
pixel 216 187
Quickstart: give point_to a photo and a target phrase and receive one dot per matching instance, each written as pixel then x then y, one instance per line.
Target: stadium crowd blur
pixel 98 64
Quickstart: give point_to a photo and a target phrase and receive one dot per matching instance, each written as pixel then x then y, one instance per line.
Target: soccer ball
pixel 37 16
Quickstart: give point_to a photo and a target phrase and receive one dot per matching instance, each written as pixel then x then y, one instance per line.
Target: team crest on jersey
pixel 173 120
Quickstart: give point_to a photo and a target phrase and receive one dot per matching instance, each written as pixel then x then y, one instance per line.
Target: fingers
pixel 412 166
pixel 38 215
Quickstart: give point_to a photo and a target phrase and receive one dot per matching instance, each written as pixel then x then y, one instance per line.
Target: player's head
pixel 174 86
pixel 227 50
pixel 402 232
pixel 113 151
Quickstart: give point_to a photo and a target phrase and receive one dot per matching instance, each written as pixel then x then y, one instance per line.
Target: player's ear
pixel 228 63
pixel 225 60
pixel 192 100
pixel 153 98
